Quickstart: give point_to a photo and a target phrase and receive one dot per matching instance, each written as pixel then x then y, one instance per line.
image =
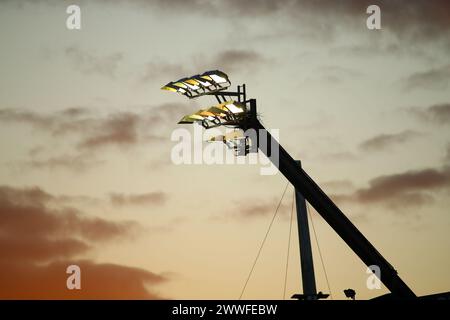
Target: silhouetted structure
pixel 242 114
pixel 350 293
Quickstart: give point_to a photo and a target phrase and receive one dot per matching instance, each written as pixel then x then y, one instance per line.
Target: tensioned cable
pixel 318 249
pixel 288 246
pixel 262 243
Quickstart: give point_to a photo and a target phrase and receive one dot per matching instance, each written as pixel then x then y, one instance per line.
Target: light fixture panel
pixel 198 85
pixel 229 113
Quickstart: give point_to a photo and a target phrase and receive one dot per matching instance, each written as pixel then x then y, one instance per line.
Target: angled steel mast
pixel 328 210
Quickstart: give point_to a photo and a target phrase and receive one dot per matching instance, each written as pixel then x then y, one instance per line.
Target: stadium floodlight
pixel 242 114
pixel 236 141
pixel 228 113
pixel 207 83
pixel 227 137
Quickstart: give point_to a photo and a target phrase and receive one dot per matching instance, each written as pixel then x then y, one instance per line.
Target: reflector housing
pixel 228 113
pixel 235 140
pixel 201 84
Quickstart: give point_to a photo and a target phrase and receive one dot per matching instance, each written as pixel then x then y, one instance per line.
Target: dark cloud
pixel 430 16
pixel 367 50
pixel 332 74
pixel 75 112
pixel 406 189
pixel 165 115
pixel 30 212
pixel 233 60
pixel 59 122
pixel 122 129
pixel 163 70
pixel 77 163
pixel 150 198
pixel 339 156
pixel 258 208
pixel 39 239
pixel 338 185
pixel 437 79
pixel 386 141
pixel 416 20
pixel 94 131
pixel 227 61
pixel 29 117
pixel 118 129
pixel 77 200
pixel 447 154
pixel 419 20
pixel 86 132
pixel 88 63
pixel 98 281
pixel 436 114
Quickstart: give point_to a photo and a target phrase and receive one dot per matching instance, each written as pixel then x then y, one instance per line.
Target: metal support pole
pixel 330 212
pixel 306 258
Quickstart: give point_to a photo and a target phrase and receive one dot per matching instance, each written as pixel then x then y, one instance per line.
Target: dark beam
pixel 330 212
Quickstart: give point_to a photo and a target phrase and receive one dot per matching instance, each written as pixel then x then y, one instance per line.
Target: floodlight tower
pixel 241 114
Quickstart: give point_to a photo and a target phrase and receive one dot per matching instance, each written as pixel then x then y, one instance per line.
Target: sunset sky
pixel 86 175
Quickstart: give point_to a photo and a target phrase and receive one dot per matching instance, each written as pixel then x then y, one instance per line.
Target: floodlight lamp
pixel 204 82
pixel 201 84
pixel 234 108
pixel 216 76
pixel 189 119
pixel 227 137
pixel 236 141
pixel 228 113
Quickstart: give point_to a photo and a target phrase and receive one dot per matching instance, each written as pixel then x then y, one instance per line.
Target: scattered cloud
pixel 99 281
pixel 150 198
pixel 24 116
pixel 76 163
pixel 97 129
pixel 160 69
pixel 436 114
pixel 32 211
pixel 401 14
pixel 237 59
pixel 386 141
pixel 94 130
pixel 447 154
pixel 411 20
pixel 332 74
pixel 118 129
pixel 416 21
pixel 257 208
pixel 59 122
pixel 227 61
pixel 338 185
pixel 373 49
pixel 87 132
pixel 435 79
pixel 411 188
pixel 88 63
pixel 39 239
pixel 338 156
